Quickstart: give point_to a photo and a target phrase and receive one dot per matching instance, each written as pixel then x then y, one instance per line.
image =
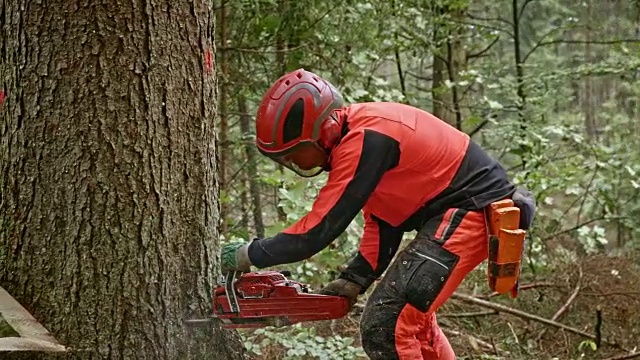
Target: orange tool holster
pixel 506 246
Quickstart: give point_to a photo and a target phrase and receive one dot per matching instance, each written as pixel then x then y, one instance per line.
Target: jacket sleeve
pixel 357 165
pixel 380 242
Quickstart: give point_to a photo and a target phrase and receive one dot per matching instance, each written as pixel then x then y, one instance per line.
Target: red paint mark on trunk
pixel 1 97
pixel 208 61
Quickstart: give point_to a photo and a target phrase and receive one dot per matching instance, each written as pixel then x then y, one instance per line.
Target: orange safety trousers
pixel 399 320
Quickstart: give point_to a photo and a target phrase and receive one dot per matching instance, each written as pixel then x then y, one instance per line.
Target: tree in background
pixel 109 176
pixel 550 86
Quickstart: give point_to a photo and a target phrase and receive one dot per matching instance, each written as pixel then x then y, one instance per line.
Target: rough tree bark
pixel 109 187
pixel 635 103
pixel 223 146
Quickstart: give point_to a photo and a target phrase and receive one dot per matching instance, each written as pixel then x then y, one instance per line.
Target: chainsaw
pixel 268 298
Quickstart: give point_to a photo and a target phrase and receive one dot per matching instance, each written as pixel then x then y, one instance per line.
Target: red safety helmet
pixel 296 125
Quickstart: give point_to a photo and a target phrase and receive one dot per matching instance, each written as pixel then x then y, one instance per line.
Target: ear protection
pixel 329 132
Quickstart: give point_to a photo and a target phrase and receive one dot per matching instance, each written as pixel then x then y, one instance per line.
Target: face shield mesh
pixel 306 159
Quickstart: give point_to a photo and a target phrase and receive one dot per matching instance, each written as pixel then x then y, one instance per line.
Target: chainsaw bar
pixel 268 298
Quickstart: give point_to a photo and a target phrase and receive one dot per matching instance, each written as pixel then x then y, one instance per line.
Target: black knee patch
pixel 377 331
pixel 424 269
pixel 416 277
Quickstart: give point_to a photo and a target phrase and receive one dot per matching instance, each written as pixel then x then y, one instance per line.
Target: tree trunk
pixel 589 116
pixel 109 182
pixel 281 66
pixel 519 63
pixel 441 95
pixel 634 103
pixel 449 59
pixel 223 146
pixel 252 167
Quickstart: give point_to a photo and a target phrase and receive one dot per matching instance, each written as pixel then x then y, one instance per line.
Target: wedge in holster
pixel 506 246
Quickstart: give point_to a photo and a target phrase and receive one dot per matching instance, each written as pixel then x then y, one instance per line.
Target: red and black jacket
pixel 400 166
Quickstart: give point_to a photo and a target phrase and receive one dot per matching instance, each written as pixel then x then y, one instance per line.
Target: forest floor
pixel 593 294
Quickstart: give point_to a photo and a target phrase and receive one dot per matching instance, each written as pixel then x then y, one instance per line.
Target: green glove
pixel 235 257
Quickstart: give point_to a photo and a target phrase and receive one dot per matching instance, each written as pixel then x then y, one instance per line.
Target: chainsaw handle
pixel 230 279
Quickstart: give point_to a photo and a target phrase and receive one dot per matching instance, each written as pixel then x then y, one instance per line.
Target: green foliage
pixel 6 330
pixel 294 194
pixel 298 342
pixel 587 344
pixel 533 120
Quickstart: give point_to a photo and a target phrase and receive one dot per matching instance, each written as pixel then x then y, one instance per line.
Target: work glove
pixel 344 288
pixel 526 202
pixel 235 257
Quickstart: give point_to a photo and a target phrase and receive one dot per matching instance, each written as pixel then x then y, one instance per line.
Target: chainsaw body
pixel 268 298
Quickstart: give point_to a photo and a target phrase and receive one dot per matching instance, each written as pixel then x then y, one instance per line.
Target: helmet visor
pixel 306 159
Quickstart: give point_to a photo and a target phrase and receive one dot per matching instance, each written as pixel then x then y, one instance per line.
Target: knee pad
pixel 378 324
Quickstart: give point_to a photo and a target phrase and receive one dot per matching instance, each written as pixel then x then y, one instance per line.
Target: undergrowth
pixel 608 284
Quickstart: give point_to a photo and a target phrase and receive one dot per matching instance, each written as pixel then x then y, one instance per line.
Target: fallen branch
pixel 468 314
pixel 472 340
pixel 566 305
pixel 625 357
pixel 522 314
pixel 522 287
pixel 614 293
